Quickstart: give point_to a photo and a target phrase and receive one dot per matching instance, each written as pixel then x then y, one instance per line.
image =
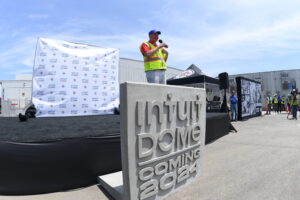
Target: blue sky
pixel 236 36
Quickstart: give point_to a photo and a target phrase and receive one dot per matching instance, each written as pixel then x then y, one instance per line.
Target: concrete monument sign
pixel 162 138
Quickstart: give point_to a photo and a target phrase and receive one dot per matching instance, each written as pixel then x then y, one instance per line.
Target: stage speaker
pixel 224 80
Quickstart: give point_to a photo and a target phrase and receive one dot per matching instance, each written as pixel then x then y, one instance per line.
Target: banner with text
pixel 162 138
pixel 71 79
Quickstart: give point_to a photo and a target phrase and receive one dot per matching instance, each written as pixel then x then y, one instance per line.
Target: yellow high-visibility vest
pixel 156 61
pixel 275 100
pixel 295 101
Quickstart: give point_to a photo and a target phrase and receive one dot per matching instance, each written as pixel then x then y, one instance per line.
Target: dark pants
pixel 289 107
pixel 233 108
pixel 279 107
pixel 269 108
pixel 275 107
pixel 294 110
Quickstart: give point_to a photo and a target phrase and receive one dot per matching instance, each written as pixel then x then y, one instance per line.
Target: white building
pixel 16 94
pixel 133 70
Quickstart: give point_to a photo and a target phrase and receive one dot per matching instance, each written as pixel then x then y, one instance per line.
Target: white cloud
pixel 38 16
pixel 245 43
pixel 211 34
pixel 17 56
pixel 234 31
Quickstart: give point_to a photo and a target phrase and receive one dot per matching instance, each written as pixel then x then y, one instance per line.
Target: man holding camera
pixel 294 103
pixel 155 57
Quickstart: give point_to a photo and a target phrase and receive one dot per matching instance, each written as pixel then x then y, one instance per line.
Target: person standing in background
pixel 283 103
pixel 294 103
pixel 155 57
pixel 275 103
pixel 288 102
pixel 269 104
pixel 279 100
pixel 233 105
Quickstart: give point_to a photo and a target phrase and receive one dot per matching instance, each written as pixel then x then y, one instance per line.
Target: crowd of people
pixel 279 104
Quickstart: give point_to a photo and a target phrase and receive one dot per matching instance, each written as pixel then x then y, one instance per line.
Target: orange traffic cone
pixel 287 109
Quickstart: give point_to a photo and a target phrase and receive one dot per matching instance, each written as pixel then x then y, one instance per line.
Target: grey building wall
pixel 273 82
pixel 133 70
pixel 16 89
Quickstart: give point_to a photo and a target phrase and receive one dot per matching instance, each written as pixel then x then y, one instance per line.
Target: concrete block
pixel 113 184
pixel 162 138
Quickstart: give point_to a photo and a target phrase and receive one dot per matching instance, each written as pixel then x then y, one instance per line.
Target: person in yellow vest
pixel 288 102
pixel 275 103
pixel 294 103
pixel 155 57
pixel 269 104
pixel 283 103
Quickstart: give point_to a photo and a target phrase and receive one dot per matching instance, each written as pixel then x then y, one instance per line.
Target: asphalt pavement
pixel 261 161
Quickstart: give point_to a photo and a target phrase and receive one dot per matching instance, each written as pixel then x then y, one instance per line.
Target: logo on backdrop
pixel 86 75
pixel 185 73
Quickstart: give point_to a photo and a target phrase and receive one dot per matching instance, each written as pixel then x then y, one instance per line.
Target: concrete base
pixel 113 184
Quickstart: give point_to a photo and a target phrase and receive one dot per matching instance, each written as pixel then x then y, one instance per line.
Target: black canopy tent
pixel 193 76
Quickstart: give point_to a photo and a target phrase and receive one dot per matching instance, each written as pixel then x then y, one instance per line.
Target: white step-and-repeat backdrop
pixel 71 79
pixel 1 91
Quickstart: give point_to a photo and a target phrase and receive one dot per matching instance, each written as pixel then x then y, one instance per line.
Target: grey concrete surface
pixel 89 193
pixel 152 117
pixel 260 162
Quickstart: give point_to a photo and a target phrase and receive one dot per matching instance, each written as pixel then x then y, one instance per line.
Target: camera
pixel 294 92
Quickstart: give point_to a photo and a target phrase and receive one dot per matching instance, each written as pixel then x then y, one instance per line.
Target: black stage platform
pixel 46 155
pixel 217 125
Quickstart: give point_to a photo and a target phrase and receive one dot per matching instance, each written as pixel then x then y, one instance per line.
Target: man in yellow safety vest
pixel 155 57
pixel 269 103
pixel 294 103
pixel 283 103
pixel 275 103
